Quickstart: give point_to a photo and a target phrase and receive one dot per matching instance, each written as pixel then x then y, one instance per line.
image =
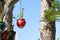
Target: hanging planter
pixel 5 35
pixel 11 35
pixel 2 25
pixel 21 22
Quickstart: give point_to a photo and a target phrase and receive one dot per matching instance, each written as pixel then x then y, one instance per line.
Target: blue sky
pixel 32 16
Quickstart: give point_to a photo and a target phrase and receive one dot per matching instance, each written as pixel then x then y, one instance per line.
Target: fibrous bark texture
pixel 47 28
pixel 7 17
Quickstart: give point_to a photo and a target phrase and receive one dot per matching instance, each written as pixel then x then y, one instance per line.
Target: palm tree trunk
pixel 7 17
pixel 47 29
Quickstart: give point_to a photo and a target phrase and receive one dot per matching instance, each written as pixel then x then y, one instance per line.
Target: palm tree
pixel 47 28
pixel 6 10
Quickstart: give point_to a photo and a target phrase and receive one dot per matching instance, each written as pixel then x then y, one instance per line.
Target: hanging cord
pixel 21 10
pixel 20 15
pixel 20 6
